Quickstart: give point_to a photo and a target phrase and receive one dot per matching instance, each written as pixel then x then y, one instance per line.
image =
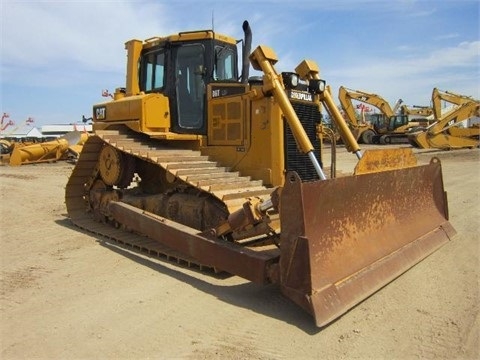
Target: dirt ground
pixel 67 294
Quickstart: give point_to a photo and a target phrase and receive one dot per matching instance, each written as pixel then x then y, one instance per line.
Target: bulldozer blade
pixel 343 239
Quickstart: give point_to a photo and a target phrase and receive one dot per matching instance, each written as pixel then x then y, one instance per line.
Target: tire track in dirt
pixel 20 279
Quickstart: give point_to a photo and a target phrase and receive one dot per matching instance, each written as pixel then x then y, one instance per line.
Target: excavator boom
pixel 372 99
pixel 360 129
pixel 424 111
pixel 444 133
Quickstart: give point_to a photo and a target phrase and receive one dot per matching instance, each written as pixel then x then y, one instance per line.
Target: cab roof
pixel 188 36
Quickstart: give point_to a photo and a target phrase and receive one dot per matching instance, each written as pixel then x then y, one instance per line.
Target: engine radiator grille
pixel 309 116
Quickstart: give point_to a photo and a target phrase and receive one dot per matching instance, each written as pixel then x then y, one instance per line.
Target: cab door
pixel 190 89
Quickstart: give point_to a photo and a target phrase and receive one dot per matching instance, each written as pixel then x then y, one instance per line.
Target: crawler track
pixel 189 166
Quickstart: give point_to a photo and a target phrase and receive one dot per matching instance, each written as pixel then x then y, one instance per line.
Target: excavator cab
pixel 397 121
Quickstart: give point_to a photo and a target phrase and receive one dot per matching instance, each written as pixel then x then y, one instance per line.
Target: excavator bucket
pixel 45 152
pixel 345 238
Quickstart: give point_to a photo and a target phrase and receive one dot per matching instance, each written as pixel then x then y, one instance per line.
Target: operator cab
pixel 181 71
pixel 397 121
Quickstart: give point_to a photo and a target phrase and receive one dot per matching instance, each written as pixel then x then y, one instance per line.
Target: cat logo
pixel 296 95
pixel 100 113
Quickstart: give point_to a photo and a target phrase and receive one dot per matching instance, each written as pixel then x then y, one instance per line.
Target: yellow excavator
pixel 417 110
pixel 446 132
pixel 388 126
pixel 199 162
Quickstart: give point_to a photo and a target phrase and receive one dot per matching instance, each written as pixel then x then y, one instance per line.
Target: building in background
pixel 21 134
pixel 45 133
pixel 54 131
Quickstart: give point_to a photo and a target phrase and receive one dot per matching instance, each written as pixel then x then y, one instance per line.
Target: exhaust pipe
pixel 246 49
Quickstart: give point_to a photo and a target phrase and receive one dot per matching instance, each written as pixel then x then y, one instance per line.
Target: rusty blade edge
pixel 329 303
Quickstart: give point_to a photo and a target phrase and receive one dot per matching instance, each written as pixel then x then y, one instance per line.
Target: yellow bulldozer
pixel 201 162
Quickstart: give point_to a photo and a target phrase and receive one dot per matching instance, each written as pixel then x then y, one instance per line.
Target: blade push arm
pixel 263 58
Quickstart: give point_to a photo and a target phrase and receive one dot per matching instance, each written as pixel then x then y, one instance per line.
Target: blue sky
pixel 57 56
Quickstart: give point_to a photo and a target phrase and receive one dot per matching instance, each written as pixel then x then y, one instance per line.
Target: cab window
pixel 224 68
pixel 152 78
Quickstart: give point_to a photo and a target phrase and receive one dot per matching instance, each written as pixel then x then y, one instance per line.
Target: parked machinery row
pixel 421 126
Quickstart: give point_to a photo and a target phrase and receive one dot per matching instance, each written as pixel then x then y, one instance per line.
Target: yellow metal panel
pixel 226 121
pixel 246 135
pixel 306 67
pixel 133 47
pixel 156 113
pixel 381 160
pixel 151 111
pixel 119 110
pixel 265 159
pixel 261 156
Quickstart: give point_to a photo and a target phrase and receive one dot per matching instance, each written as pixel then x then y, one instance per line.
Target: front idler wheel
pixel 116 168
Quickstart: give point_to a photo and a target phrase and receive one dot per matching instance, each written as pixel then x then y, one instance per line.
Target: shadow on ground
pixel 266 300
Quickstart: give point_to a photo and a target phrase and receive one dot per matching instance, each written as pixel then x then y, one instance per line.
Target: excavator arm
pixel 347 95
pixel 416 110
pixel 450 97
pixel 438 135
pixel 347 105
pixel 452 118
pixel 443 134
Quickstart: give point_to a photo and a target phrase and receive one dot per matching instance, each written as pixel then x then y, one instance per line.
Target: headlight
pixel 290 80
pixel 316 86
